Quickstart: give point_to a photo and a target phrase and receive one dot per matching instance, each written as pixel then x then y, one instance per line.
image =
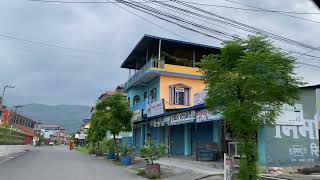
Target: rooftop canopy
pixel 148 46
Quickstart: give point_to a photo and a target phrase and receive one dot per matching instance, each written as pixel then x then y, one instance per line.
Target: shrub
pixel 126 150
pixel 152 151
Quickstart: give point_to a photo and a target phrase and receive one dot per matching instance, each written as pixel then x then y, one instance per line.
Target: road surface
pixel 58 163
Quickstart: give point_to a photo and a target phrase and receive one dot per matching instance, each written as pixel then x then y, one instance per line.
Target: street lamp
pixel 3 93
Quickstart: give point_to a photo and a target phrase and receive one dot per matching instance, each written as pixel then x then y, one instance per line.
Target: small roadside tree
pixel 116 115
pixel 249 82
pixel 97 130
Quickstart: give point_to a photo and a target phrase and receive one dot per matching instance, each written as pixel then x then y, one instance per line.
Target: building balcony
pixel 145 73
pixel 155 68
pixel 138 106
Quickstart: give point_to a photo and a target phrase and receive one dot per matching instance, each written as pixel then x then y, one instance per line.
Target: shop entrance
pixel 177 140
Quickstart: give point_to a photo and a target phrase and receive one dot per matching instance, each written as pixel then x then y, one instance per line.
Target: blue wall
pixel 140 92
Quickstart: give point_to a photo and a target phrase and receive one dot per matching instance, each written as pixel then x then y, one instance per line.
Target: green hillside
pixel 68 116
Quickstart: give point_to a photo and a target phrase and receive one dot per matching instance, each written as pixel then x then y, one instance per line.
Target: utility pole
pixel 3 93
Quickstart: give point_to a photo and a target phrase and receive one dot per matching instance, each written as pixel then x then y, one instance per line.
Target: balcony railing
pixel 138 106
pixel 153 63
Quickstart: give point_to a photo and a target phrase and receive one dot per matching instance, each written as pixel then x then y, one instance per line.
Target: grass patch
pixel 83 150
pixel 141 172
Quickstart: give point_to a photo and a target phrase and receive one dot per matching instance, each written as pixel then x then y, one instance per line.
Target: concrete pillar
pixel 142 136
pixel 146 133
pixel 166 138
pixel 187 140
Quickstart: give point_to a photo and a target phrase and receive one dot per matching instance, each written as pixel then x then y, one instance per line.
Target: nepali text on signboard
pixel 155 108
pixel 204 115
pixel 199 98
pixel 291 115
pixel 182 118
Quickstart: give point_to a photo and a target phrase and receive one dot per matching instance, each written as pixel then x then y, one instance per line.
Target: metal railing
pixel 153 63
pixel 139 106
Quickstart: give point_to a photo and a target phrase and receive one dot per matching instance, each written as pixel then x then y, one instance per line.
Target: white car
pixel 51 143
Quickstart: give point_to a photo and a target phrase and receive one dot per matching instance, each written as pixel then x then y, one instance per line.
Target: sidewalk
pixel 8 152
pixel 195 166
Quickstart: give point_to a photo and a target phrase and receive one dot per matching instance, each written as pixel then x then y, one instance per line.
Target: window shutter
pixel 171 94
pixel 186 96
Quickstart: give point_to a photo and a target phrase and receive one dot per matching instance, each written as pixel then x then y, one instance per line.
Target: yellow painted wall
pixel 197 85
pixel 182 69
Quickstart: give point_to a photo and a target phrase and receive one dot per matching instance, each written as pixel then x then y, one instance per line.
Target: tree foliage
pixel 152 151
pixel 249 82
pixel 115 114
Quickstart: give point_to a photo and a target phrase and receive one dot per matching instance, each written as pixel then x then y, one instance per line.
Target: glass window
pixel 145 95
pixel 179 95
pixel 153 95
pixel 136 100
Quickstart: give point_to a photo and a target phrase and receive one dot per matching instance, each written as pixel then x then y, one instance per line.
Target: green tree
pixel 116 115
pixel 249 82
pixel 98 129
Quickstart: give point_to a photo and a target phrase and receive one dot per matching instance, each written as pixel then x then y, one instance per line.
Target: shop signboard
pixel 137 116
pixel 204 115
pixel 158 122
pixel 199 98
pixel 155 108
pixel 291 115
pixel 182 118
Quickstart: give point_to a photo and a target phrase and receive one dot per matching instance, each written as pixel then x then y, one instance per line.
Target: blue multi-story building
pixel 166 93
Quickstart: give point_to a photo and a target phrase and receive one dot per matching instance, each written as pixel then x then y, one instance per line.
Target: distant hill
pixel 68 116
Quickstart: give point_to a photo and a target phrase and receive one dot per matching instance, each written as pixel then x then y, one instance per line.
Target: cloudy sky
pixel 94 39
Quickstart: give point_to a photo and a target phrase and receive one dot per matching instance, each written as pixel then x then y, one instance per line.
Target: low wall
pixel 11 137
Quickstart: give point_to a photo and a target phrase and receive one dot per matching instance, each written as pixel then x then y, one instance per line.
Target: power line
pixel 245 27
pixel 189 2
pixel 146 11
pixel 246 9
pixel 157 13
pixel 267 10
pixel 91 2
pixel 151 22
pixel 49 44
pixel 306 53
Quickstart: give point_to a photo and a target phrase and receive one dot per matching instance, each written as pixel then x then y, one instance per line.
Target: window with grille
pixel 179 95
pixel 153 95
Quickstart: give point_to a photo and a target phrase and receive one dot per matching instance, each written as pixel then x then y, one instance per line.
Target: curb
pixel 12 156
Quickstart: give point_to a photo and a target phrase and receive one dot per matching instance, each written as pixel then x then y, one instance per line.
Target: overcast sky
pixel 101 36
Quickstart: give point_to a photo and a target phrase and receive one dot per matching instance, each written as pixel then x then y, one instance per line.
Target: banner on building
pixel 204 115
pixel 199 98
pixel 181 118
pixel 158 122
pixel 291 115
pixel 137 116
pixel 155 108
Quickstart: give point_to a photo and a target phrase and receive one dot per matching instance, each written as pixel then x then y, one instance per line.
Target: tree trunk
pixel 116 147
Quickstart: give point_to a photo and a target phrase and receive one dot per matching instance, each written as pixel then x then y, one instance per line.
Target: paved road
pixel 58 163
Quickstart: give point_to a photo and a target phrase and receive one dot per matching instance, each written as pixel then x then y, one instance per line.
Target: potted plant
pixel 126 152
pixel 151 152
pixel 111 149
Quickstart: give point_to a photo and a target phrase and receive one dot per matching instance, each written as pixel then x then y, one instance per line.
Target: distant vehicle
pixel 51 143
